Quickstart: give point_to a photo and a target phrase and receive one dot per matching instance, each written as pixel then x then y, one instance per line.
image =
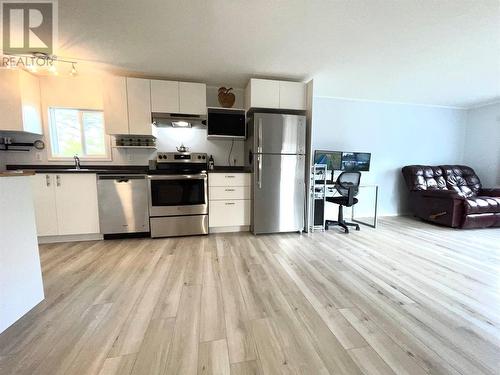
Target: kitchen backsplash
pixel 167 140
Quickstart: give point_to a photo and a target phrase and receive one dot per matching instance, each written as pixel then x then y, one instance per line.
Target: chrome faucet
pixel 77 162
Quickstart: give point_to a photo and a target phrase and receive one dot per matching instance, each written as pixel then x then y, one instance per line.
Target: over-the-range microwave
pixel 226 123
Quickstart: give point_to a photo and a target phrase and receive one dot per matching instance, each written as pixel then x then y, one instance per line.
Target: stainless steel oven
pixel 178 195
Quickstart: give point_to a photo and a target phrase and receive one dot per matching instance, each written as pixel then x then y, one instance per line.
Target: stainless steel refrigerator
pixel 276 147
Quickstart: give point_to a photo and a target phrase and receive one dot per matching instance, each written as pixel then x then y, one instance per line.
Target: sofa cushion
pixel 482 205
pixel 424 177
pixel 462 179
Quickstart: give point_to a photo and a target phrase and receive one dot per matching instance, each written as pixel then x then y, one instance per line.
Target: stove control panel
pixel 181 157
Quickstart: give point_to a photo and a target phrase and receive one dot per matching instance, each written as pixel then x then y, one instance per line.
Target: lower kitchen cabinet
pixel 229 201
pixel 66 204
pixel 229 213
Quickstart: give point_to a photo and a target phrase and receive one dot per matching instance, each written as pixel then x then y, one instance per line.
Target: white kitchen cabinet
pixel 115 105
pixel 292 95
pixel 229 213
pixel 263 93
pixel 229 201
pixel 139 106
pixel 44 196
pixel 76 202
pixel 127 106
pixel 20 101
pixel 192 98
pixel 164 96
pixel 66 203
pixel 274 94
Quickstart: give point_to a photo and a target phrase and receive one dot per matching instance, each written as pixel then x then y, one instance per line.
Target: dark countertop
pixel 101 169
pixel 226 169
pixel 109 169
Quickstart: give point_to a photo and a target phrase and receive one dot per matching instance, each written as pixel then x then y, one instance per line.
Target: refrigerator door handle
pixel 259 171
pixel 259 136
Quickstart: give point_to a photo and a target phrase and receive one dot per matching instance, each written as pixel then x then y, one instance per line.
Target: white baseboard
pixel 70 238
pixel 238 228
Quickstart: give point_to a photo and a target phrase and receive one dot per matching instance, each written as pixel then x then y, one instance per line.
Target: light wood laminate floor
pixel 406 298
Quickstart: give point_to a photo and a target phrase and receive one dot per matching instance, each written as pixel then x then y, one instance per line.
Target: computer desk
pixel 332 191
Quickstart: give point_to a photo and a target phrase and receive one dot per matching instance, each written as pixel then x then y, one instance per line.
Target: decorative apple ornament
pixel 226 97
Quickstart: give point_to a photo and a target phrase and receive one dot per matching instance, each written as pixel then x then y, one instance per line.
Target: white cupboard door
pixel 30 102
pixel 229 213
pixel 115 105
pixel 264 93
pixel 76 202
pixel 10 101
pixel 45 204
pixel 139 106
pixel 164 96
pixel 292 95
pixel 192 98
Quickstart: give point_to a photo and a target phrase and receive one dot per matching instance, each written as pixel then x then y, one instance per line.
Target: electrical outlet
pixel 38 156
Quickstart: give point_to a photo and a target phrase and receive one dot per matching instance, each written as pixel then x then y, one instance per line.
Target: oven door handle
pixel 201 176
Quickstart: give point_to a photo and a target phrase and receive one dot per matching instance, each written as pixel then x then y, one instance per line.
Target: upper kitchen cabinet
pixel 192 98
pixel 178 97
pixel 164 96
pixel 20 102
pixel 115 105
pixel 127 106
pixel 139 106
pixel 267 93
pixel 293 95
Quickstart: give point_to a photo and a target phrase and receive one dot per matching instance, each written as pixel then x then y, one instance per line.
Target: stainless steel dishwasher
pixel 123 204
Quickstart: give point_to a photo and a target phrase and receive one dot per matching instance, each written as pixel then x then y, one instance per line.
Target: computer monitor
pixel 332 159
pixel 355 161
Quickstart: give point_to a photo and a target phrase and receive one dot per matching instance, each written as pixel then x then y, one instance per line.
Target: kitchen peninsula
pixel 21 286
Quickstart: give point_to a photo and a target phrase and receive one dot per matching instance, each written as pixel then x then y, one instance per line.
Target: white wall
pixel 395 134
pixel 482 143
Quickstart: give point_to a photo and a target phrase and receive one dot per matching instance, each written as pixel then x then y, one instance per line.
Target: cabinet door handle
pixel 229 203
pixel 47 180
pixel 58 180
pixel 229 190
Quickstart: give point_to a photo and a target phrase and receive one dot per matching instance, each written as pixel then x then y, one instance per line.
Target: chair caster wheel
pixel 357 228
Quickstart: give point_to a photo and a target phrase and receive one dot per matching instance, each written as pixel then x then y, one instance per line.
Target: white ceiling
pixel 442 52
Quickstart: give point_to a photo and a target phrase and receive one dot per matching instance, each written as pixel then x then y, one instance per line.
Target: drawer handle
pixel 229 203
pixel 229 189
pixel 230 176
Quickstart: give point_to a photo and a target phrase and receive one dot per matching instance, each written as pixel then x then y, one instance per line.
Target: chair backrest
pixel 346 181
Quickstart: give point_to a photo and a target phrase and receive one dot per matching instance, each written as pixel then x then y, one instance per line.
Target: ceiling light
pixel 181 124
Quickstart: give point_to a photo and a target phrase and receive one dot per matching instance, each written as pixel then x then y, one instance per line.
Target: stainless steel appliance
pixel 276 149
pixel 178 194
pixel 123 204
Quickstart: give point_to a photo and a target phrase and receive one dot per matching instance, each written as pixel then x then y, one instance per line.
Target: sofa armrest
pixel 490 192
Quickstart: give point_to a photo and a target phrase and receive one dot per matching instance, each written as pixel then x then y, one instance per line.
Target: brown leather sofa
pixel 451 195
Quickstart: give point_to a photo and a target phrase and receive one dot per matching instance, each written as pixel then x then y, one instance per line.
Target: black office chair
pixel 347 185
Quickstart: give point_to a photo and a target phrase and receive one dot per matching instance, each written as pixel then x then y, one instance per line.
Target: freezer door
pixel 279 193
pixel 279 134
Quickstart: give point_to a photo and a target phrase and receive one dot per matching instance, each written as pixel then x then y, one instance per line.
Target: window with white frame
pixel 77 132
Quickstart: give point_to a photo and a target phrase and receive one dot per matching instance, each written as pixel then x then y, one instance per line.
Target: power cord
pixel 230 152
